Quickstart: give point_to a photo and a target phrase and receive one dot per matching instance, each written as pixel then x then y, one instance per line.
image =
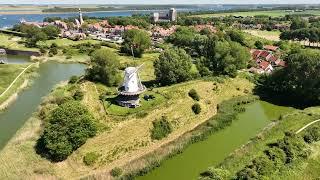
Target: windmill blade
pixel 137 69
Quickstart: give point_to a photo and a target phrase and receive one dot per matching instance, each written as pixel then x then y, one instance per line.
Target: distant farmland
pixel 272 13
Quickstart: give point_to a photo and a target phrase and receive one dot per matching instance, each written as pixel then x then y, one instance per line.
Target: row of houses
pixel 266 60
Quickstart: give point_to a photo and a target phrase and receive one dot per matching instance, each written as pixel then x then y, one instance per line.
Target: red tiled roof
pixel 273 58
pixel 256 53
pixel 264 65
pixel 271 48
pixel 264 54
pixel 281 63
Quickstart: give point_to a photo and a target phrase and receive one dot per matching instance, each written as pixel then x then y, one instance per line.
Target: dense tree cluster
pixel 277 155
pixel 173 66
pixel 183 37
pixel 224 57
pixel 299 82
pixel 298 23
pixel 135 42
pixel 305 34
pixel 35 34
pixel 104 68
pixel 68 127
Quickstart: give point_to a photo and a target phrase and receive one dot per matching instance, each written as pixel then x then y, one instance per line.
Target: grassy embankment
pixel 301 169
pixel 122 138
pixel 18 43
pixel 14 42
pixel 8 73
pixel 272 13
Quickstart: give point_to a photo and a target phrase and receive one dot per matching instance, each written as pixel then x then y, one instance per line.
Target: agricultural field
pixel 272 13
pixel 122 137
pixel 269 35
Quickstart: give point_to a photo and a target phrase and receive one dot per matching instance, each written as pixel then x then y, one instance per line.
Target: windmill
pixel 3 56
pixel 131 88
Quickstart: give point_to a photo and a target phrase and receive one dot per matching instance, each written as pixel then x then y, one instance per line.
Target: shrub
pixel 90 158
pixel 73 79
pixel 312 134
pixel 258 44
pixel 194 95
pixel 196 108
pixel 68 127
pixel 116 172
pixel 78 95
pixel 161 128
pixel 215 174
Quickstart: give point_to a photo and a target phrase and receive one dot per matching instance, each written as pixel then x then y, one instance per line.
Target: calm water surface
pixel 17 59
pixel 199 156
pixel 51 73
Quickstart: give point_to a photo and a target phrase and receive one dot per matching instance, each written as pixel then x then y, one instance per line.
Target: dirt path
pixel 304 127
pixel 16 79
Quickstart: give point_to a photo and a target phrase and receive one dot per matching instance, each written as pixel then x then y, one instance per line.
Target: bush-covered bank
pixel 271 154
pixel 227 112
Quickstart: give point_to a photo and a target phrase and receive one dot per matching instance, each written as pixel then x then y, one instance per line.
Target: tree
pixel 258 44
pixel 298 23
pixel 51 31
pixel 104 68
pixel 299 82
pixel 183 37
pixel 68 127
pixel 33 39
pixel 223 57
pixel 236 36
pixel 173 66
pixel 135 42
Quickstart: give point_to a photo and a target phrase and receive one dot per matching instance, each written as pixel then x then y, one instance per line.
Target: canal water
pixel 199 156
pixel 17 59
pixel 50 74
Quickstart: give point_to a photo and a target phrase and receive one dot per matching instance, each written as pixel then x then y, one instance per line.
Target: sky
pixel 159 2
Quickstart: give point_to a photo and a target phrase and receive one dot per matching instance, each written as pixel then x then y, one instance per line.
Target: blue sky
pixel 159 1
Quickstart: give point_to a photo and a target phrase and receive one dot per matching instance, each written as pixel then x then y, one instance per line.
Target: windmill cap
pixel 130 70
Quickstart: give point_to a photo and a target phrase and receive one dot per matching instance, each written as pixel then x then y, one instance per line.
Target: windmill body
pixel 131 88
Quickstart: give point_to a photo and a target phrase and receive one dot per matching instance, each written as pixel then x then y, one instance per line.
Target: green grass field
pixel 269 35
pixel 113 109
pixel 272 13
pixel 14 42
pixel 67 42
pixel 8 73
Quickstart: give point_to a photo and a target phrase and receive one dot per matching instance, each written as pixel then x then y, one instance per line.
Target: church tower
pixel 80 17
